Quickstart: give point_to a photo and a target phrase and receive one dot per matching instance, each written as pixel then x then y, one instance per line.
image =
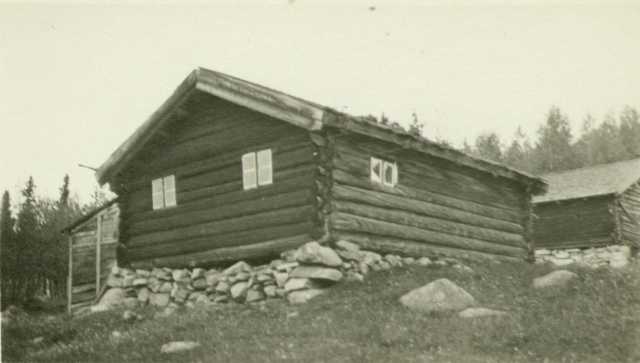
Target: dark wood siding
pixel 630 221
pixel 575 223
pixel 215 219
pixel 437 207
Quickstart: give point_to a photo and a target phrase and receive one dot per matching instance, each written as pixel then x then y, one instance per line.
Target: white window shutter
pixel 170 191
pixel 395 174
pixel 376 170
pixel 249 172
pixel 157 193
pixel 265 167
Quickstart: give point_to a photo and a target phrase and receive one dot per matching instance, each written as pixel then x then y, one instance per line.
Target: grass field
pixel 594 319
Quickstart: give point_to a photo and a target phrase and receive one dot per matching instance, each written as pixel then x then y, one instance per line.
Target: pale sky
pixel 76 79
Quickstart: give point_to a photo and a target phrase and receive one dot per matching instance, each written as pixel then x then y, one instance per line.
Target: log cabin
pixel 590 207
pixel 227 169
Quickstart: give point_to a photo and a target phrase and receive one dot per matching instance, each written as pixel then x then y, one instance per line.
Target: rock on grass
pixel 556 278
pixel 438 296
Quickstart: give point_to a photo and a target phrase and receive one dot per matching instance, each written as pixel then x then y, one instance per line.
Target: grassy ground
pixel 595 319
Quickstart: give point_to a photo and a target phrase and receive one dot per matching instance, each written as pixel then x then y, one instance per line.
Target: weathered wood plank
pixel 214 227
pixel 429 223
pixel 216 255
pixel 352 223
pixel 426 195
pixel 416 248
pixel 204 243
pixel 217 209
pixel 448 177
pixel 424 208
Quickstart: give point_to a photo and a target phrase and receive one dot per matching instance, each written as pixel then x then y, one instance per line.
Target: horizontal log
pixel 424 208
pixel 415 248
pixel 447 176
pixel 86 296
pixel 510 215
pixel 205 243
pixel 218 255
pixel 296 177
pixel 217 209
pixel 429 223
pixel 215 227
pixel 219 143
pixel 352 223
pixel 580 243
pixel 284 156
pixel 83 288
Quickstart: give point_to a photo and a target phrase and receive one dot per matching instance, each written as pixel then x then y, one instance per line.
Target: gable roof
pixel 298 112
pixel 599 180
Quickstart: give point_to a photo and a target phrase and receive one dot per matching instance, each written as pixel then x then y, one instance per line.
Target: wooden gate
pixel 92 252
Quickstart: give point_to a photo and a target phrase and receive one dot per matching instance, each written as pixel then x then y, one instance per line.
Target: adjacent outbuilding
pixel 590 207
pixel 227 169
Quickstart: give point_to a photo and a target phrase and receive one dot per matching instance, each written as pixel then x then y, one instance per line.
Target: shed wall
pixel 630 216
pixel 215 219
pixel 436 208
pixel 575 223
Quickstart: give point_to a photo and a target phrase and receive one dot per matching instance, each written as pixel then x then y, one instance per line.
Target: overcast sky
pixel 76 80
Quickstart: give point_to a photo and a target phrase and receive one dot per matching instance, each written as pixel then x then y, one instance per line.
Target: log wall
pixel 630 216
pixel 215 219
pixel 436 208
pixel 575 223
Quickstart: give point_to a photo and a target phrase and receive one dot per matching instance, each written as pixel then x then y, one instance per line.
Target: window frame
pixel 257 169
pixel 160 188
pixel 384 164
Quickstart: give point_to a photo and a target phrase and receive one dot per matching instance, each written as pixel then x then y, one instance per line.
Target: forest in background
pixel 33 251
pixel 556 147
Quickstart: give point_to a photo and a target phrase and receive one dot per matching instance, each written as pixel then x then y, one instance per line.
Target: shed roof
pixel 598 180
pixel 299 112
pixel 92 213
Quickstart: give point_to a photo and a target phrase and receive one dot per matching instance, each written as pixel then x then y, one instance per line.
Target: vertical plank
pixel 98 247
pixel 70 274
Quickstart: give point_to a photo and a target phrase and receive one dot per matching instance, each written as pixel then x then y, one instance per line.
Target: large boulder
pixel 556 278
pixel 315 254
pixel 438 296
pixel 317 273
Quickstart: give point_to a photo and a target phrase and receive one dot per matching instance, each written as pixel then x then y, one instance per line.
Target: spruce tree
pixel 7 250
pixel 553 150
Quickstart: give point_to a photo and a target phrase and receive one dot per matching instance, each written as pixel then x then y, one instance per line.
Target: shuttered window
pixel 163 192
pixel 170 191
pixel 390 177
pixel 383 172
pixel 376 170
pixel 249 173
pixel 157 193
pixel 257 169
pixel 265 170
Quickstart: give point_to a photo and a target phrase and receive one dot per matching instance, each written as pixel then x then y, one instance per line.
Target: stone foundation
pixel 613 256
pixel 297 276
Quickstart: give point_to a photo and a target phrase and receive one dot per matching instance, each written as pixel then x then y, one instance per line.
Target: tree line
pixel 33 250
pixel 556 147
